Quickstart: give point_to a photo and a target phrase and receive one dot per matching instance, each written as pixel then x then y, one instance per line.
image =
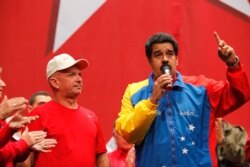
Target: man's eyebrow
pixel 157 51
pixel 170 50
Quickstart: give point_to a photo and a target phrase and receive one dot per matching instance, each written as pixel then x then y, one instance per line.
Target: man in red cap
pixel 76 129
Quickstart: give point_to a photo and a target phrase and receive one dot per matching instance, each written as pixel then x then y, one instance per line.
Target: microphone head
pixel 165 69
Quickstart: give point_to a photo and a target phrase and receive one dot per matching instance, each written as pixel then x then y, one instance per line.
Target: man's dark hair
pixel 34 95
pixel 160 38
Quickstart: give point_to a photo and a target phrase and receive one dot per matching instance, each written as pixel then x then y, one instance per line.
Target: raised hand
pixel 19 121
pixel 226 52
pixel 160 88
pixel 10 106
pixel 219 131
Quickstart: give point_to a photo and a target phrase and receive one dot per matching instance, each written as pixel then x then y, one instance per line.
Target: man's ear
pixel 150 62
pixel 54 82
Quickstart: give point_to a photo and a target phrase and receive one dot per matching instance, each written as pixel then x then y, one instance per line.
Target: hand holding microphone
pixel 162 83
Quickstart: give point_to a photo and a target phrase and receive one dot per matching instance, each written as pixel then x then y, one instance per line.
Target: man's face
pixel 41 99
pixel 68 82
pixel 163 52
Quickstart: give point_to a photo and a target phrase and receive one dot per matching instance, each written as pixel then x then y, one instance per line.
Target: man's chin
pixel 77 92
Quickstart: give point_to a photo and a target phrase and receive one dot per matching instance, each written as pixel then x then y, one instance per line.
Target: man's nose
pixel 165 59
pixel 79 78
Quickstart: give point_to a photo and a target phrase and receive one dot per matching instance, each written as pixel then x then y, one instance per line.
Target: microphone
pixel 165 69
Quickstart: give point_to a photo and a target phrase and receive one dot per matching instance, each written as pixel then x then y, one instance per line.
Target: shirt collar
pixel 178 82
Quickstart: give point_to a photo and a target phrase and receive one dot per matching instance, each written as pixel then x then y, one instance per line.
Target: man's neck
pixel 67 102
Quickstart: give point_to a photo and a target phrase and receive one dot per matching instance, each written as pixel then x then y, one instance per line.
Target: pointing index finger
pixel 217 37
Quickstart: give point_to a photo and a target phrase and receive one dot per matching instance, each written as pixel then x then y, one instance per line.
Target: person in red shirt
pixel 7 129
pixel 11 107
pixel 8 107
pixel 124 154
pixel 79 138
pixel 38 98
pixel 12 119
